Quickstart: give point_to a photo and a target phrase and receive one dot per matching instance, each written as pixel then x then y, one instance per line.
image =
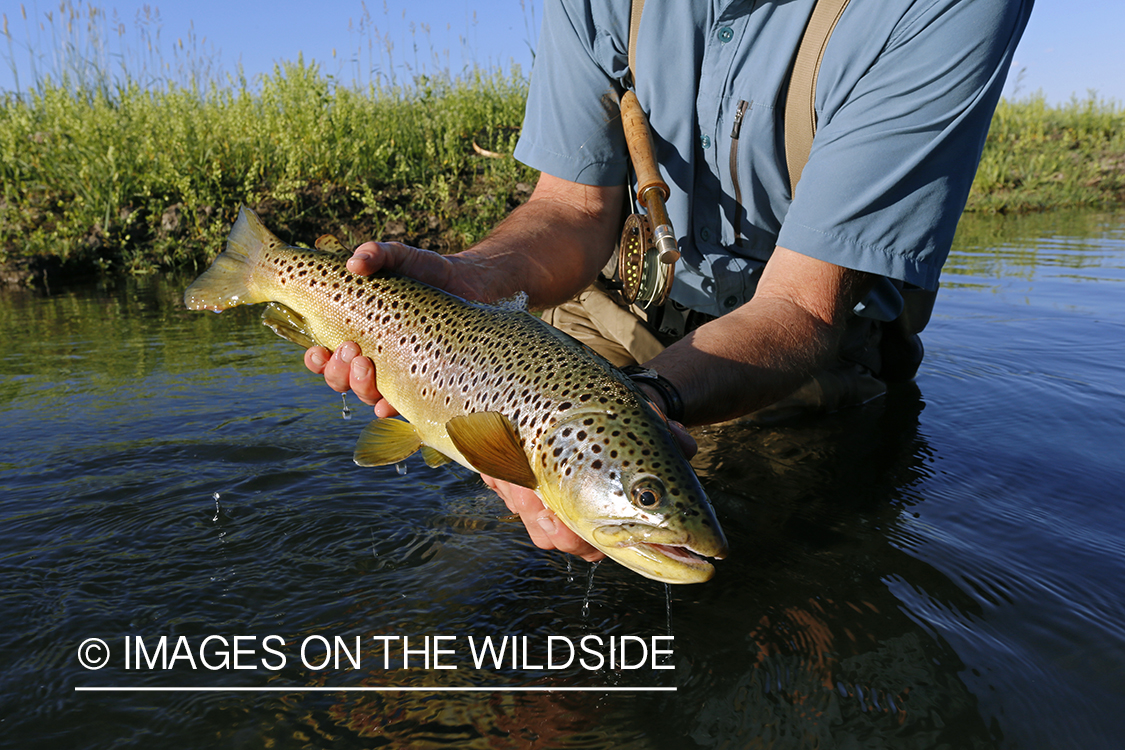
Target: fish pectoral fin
pixel 490 443
pixel 434 458
pixel 288 324
pixel 328 243
pixel 386 441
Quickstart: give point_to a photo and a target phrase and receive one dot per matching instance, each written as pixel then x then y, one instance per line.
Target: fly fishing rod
pixel 647 254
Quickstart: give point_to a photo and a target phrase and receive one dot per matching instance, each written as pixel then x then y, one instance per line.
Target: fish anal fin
pixel 434 458
pixel 289 325
pixel 386 441
pixel 489 442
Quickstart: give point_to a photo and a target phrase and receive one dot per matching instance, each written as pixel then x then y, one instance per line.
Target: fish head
pixel 622 483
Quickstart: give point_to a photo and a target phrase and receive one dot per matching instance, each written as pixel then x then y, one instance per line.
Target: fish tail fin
pixel 229 280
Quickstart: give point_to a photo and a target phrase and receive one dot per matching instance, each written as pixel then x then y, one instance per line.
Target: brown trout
pixel 492 388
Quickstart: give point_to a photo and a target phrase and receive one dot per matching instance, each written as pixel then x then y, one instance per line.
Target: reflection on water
pixel 943 567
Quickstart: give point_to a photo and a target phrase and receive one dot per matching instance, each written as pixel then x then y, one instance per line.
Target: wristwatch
pixel 673 404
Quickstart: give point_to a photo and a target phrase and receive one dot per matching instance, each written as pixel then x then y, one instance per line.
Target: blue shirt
pixel 904 98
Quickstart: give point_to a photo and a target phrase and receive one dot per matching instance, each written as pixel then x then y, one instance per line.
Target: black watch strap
pixel 673 404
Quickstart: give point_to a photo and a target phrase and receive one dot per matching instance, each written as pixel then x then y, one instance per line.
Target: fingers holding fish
pixel 347 369
pixel 544 528
pixel 422 265
pixel 684 440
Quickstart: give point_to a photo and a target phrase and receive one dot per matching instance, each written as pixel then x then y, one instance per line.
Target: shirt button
pixel 730 302
pixel 726 34
pixel 705 141
pixel 705 234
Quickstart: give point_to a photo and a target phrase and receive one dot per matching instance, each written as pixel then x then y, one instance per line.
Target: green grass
pixel 141 179
pixel 100 172
pixel 1040 157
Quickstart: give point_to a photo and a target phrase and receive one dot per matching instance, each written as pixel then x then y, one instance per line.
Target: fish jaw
pixel 650 546
pixel 631 492
pixel 657 553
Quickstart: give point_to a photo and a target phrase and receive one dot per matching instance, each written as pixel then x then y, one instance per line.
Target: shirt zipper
pixel 737 220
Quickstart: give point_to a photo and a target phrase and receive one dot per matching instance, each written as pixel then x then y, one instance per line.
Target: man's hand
pixel 543 526
pixel 346 369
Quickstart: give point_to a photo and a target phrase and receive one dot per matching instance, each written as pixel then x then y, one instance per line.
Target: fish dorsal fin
pixel 489 442
pixel 288 324
pixel 328 243
pixel 434 458
pixel 386 441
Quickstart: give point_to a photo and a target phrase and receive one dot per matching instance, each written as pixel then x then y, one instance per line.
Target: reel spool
pixel 645 279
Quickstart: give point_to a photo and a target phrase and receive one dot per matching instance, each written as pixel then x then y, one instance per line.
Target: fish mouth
pixel 679 553
pixel 661 554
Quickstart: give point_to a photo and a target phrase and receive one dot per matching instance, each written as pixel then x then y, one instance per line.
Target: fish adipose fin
pixel 516 303
pixel 228 282
pixel 489 442
pixel 386 441
pixel 289 325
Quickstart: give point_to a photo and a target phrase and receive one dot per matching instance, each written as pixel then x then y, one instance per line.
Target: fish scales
pixel 591 445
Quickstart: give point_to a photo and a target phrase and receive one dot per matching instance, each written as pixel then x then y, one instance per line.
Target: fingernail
pixel 347 352
pixel 547 523
pixel 318 358
pixel 360 369
pixel 355 263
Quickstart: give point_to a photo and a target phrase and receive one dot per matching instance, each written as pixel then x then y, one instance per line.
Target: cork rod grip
pixel 641 149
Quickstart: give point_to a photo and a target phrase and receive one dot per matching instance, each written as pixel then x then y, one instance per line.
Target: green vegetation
pixel 100 172
pixel 136 179
pixel 1041 157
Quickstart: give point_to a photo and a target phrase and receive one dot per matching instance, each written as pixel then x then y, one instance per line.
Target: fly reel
pixel 647 253
pixel 645 279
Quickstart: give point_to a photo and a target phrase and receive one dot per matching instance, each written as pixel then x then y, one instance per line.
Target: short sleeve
pixel 894 157
pixel 572 126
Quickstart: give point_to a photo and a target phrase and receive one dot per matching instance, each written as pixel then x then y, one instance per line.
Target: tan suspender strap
pixel 636 8
pixel 800 102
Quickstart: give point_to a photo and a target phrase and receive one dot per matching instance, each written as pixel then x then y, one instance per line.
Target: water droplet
pixel 668 605
pixel 589 587
pixel 401 468
pixel 345 412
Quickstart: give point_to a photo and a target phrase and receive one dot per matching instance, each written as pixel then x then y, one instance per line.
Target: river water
pixel 944 567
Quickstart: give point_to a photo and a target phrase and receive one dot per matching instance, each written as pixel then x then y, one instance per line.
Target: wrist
pixel 652 382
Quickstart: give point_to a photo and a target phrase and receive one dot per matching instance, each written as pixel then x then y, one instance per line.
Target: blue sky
pixel 1070 46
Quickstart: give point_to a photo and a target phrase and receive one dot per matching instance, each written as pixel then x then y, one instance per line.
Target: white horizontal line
pixel 295 689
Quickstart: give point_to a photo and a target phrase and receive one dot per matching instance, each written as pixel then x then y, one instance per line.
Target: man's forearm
pixel 746 360
pixel 790 330
pixel 552 247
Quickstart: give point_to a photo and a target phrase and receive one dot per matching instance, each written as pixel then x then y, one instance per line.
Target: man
pixel 778 286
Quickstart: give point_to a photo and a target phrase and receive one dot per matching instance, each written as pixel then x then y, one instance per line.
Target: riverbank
pixel 133 181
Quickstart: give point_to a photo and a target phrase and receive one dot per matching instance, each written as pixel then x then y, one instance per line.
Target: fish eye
pixel 647 492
